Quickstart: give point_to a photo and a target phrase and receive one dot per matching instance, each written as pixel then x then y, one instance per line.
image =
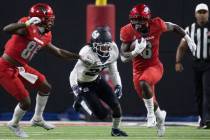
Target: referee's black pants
pixel 202 89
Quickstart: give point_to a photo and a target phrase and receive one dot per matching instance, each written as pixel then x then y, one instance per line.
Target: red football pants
pixel 151 75
pixel 13 83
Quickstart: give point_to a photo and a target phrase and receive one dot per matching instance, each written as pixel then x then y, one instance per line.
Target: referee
pixel 199 31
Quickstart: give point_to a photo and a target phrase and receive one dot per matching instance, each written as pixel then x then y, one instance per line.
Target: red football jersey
pixel 150 55
pixel 23 48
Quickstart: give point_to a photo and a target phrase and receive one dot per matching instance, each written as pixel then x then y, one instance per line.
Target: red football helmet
pixel 44 12
pixel 139 17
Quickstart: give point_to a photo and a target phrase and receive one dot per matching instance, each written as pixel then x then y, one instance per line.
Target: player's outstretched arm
pixel 176 28
pixel 61 53
pixel 67 55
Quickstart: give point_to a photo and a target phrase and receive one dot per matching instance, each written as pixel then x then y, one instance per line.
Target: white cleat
pixel 42 124
pixel 17 130
pixel 161 124
pixel 151 121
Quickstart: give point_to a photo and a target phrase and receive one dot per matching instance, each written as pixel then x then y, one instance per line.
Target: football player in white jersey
pixel 90 88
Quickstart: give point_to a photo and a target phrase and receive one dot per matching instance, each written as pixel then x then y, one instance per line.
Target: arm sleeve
pixel 73 78
pixel 115 74
pixel 73 75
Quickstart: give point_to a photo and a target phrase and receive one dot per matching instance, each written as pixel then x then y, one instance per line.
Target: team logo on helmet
pixel 146 10
pixel 95 34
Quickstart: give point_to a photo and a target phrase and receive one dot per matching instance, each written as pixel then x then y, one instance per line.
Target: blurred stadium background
pixel 174 92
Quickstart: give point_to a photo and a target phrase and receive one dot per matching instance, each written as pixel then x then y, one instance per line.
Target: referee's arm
pixel 181 50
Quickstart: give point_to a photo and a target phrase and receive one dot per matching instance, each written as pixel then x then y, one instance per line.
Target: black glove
pixel 77 90
pixel 118 91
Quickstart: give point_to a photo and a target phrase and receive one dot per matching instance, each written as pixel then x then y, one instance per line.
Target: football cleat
pixel 161 124
pixel 207 125
pixel 17 130
pixel 151 121
pixel 116 132
pixel 42 124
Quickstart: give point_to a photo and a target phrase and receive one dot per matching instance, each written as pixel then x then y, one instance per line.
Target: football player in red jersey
pixel 144 33
pixel 29 35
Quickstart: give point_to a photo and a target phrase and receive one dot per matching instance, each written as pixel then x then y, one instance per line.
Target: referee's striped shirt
pixel 201 37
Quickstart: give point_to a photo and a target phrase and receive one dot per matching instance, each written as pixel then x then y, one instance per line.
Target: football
pixel 132 46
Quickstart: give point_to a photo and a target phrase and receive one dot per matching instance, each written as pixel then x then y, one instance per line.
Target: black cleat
pixel 118 133
pixel 201 125
pixel 207 125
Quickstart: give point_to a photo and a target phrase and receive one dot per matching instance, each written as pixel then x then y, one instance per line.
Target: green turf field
pixel 103 133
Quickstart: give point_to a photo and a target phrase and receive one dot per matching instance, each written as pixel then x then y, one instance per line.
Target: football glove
pixel 33 20
pixel 76 90
pixel 139 47
pixel 118 91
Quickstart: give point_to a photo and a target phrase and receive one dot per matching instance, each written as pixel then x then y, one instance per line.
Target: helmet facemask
pixel 141 25
pixel 102 49
pixel 48 23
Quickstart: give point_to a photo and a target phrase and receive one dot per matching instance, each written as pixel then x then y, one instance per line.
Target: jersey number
pixel 147 53
pixel 30 50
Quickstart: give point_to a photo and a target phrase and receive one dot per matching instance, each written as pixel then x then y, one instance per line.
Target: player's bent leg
pixel 19 112
pixel 17 130
pixel 149 103
pixel 147 90
pixel 101 113
pixel 116 119
pixel 41 101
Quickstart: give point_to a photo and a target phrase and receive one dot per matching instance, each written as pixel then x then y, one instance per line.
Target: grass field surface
pixel 100 132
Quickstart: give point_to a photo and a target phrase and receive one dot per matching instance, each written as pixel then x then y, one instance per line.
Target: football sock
pixel 41 102
pixel 116 122
pixel 149 104
pixel 158 113
pixel 17 115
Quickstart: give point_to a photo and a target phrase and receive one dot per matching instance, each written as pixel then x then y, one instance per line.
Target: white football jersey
pixel 86 73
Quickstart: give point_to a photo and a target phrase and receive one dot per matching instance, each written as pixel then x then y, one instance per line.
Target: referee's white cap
pixel 201 6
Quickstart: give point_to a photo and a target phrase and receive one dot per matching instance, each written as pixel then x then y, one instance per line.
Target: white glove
pixel 33 20
pixel 190 43
pixel 139 47
pixel 87 60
